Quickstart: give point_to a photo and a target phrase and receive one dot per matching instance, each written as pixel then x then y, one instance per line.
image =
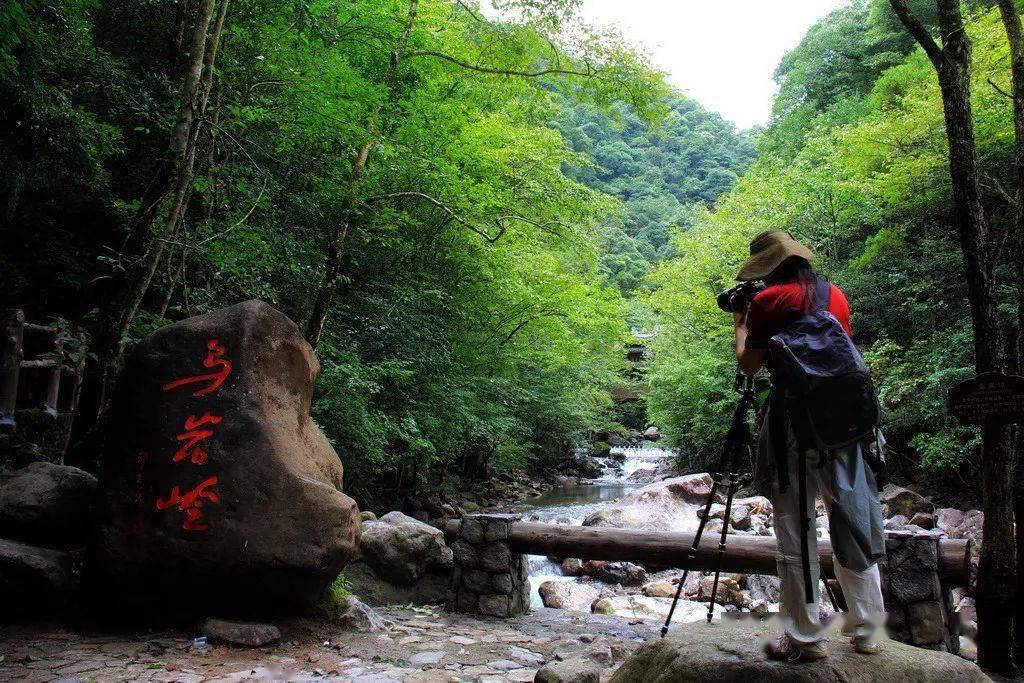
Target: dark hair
pixel 795 269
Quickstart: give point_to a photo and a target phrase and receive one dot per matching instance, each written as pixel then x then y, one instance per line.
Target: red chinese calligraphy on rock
pixel 191 503
pixel 215 352
pixel 192 436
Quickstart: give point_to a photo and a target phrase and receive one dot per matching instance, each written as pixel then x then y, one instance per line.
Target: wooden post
pixel 53 388
pixel 12 329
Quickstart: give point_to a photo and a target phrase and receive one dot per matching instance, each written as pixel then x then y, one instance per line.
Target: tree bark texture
pixel 1015 37
pixel 997 569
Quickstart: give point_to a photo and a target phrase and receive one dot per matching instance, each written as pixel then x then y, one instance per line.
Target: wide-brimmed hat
pixel 767 252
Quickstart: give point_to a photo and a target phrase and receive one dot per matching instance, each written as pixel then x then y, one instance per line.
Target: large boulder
pixel 244 633
pixel 575 670
pixel 666 588
pixel 217 491
pixel 656 609
pixel 363 581
pixel 402 549
pixel 728 651
pixel 32 578
pixel 572 596
pixel 401 560
pixel 729 592
pixel 668 505
pixel 624 573
pixel 48 504
pixel 904 502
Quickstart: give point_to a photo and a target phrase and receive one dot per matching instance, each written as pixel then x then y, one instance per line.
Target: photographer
pixel 790 450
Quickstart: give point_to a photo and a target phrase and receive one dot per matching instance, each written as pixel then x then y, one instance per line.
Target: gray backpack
pixel 828 392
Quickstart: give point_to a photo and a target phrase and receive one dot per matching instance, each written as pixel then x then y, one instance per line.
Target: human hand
pixel 740 317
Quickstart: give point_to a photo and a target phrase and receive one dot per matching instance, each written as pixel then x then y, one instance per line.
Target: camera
pixel 736 298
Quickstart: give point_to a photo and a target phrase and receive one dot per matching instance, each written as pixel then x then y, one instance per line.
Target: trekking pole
pixel 805 526
pixel 832 597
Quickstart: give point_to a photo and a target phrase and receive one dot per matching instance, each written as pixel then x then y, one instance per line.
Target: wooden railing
pixel 13 330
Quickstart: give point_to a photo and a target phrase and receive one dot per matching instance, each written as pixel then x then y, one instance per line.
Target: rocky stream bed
pixel 588 617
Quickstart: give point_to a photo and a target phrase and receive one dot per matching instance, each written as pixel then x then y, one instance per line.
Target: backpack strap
pixel 822 295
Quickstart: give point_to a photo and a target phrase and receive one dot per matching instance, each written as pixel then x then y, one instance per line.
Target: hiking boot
pixel 865 645
pixel 784 648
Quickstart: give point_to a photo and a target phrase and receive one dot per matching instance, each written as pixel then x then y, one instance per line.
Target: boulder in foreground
pixel 246 634
pixel 727 651
pixel 217 491
pixel 48 504
pixel 32 577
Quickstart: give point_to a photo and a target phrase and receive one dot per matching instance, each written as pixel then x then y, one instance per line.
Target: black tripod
pixel 736 452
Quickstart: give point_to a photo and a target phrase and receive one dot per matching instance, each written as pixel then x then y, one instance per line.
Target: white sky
pixel 719 52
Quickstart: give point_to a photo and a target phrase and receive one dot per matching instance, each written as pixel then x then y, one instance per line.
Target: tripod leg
pixel 715 481
pixel 733 485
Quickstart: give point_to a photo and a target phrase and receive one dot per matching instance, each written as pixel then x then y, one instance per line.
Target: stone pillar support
pixel 919 604
pixel 488 578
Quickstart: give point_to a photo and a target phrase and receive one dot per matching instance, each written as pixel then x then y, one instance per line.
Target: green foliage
pixel 335 602
pixel 660 172
pixel 854 163
pixel 474 327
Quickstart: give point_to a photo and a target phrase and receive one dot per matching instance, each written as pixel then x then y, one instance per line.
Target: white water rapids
pixel 573 503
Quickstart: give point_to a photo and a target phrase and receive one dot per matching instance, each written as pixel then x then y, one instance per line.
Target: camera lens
pixel 724 300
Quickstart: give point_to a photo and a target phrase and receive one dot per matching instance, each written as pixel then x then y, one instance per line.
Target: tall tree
pixel 144 247
pixel 997 569
pixel 1015 37
pixel 501 53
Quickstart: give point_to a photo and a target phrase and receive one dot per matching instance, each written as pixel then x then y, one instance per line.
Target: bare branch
pixel 588 73
pixel 500 220
pixel 518 328
pixel 999 90
pixel 444 207
pixel 469 10
pixel 917 29
pixel 240 220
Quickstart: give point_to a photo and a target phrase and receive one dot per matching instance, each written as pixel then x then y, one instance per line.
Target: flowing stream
pixel 573 503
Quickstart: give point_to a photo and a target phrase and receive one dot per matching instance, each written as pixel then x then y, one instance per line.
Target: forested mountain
pixel 382 171
pixel 661 173
pixel 853 162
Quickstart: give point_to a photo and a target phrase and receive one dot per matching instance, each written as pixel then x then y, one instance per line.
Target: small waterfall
pixel 573 503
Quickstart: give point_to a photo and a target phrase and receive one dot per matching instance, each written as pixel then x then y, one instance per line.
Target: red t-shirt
pixel 775 307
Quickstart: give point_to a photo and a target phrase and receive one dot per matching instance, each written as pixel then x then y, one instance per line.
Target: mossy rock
pixel 728 651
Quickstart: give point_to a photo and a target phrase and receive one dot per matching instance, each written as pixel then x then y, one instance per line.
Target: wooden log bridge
pixel 744 554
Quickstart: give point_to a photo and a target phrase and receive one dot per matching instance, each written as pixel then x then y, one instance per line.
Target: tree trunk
pixel 332 271
pixel 745 555
pixel 147 247
pixel 997 570
pixel 1015 38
